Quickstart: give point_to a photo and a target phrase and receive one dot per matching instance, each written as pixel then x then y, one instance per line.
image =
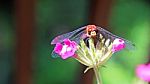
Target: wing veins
pixel 129 44
pixel 60 38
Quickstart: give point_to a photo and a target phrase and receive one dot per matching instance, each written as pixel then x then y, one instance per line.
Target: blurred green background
pixel 128 18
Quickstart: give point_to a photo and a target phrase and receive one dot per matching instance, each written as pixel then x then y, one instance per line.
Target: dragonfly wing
pixel 107 34
pixel 60 38
pixel 130 45
pixel 75 38
pixel 54 55
pixel 78 37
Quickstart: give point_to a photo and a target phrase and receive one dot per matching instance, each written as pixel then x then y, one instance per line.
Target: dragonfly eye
pixel 90 28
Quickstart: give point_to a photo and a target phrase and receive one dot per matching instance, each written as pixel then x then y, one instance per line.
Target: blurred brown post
pixel 24 14
pixel 100 12
pixel 98 15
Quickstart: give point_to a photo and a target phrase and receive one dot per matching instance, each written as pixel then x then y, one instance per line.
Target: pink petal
pixel 67 55
pixel 118 45
pixel 74 44
pixel 58 48
pixel 67 50
pixel 143 72
pixel 70 51
pixel 67 42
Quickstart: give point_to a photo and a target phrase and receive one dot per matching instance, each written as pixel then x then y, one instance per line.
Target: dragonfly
pixel 86 32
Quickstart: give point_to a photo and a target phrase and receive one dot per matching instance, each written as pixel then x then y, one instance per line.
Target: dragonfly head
pixel 91 30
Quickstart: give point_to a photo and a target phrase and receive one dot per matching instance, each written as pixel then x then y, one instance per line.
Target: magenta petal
pixel 67 55
pixel 67 42
pixel 143 72
pixel 58 48
pixel 67 49
pixel 69 52
pixel 118 45
pixel 74 44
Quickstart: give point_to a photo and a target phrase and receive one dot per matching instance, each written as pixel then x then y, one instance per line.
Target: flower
pixel 94 55
pixel 67 49
pixel 93 48
pixel 143 72
pixel 118 44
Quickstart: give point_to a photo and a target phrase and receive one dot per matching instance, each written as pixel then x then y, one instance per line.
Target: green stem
pixel 97 75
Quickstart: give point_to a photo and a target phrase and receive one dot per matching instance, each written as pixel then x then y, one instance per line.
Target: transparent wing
pixel 74 35
pixel 107 34
pixel 54 55
pixel 75 38
pixel 60 38
pixel 78 36
pixel 130 45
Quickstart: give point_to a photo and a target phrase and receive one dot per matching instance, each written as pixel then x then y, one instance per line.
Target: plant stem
pixel 97 75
